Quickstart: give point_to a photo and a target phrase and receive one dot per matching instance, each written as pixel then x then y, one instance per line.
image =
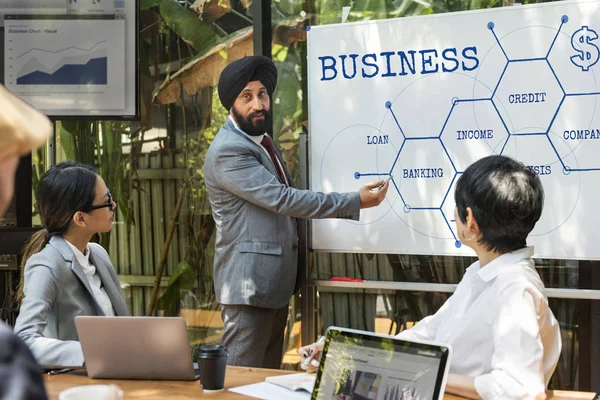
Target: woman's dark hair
pixel 63 190
pixel 506 197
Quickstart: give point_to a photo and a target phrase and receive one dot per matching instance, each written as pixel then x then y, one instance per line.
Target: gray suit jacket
pixel 256 249
pixel 56 291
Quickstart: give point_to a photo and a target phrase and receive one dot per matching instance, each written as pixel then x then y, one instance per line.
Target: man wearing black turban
pixel 255 207
pixel 236 75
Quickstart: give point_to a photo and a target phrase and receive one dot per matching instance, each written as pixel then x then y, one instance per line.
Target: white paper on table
pixel 268 391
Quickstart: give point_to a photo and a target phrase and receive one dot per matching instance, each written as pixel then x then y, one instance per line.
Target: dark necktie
pixel 268 145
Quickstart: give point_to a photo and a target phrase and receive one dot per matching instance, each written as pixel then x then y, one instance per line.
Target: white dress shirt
pixel 258 140
pixel 94 280
pixel 500 328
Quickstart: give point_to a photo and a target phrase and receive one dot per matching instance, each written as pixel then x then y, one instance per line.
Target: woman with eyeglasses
pixel 63 275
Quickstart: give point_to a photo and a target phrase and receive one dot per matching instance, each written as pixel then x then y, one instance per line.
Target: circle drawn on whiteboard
pixel 344 170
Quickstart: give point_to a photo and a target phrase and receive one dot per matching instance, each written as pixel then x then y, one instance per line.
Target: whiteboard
pixel 421 98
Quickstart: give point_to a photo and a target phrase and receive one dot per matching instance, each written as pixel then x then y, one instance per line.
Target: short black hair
pixel 506 197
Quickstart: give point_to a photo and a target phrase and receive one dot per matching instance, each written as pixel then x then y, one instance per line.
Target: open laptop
pixel 155 348
pixel 362 365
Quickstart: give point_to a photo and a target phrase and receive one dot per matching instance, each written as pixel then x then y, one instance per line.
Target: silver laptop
pixel 361 365
pixel 155 348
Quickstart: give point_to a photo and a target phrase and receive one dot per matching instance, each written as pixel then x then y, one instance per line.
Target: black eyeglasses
pixel 109 204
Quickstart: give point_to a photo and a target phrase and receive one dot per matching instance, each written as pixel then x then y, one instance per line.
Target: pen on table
pixel 59 371
pixel 306 362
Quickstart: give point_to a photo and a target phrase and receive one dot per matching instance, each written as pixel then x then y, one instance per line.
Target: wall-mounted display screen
pixel 78 59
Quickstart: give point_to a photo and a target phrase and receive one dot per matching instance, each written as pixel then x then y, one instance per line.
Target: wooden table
pixel 163 390
pixel 176 390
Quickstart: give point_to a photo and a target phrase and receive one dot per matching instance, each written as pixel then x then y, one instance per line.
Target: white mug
pixel 92 392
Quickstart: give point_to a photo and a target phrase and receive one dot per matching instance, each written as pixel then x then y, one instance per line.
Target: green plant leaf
pixel 369 9
pixel 66 138
pixel 187 25
pixel 146 4
pixel 287 101
pixel 204 68
pixel 183 278
pixel 146 84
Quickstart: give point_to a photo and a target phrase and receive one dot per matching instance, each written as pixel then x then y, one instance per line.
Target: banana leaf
pixel 212 10
pixel 204 69
pixel 331 10
pixel 146 4
pixel 187 25
pixel 288 103
pixel 67 141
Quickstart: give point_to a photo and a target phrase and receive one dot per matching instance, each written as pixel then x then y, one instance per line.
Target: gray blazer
pixel 256 248
pixel 56 291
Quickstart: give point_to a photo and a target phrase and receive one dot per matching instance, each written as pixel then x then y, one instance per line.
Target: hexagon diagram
pixel 575 133
pixel 422 174
pixel 473 130
pixel 529 108
pixel 427 168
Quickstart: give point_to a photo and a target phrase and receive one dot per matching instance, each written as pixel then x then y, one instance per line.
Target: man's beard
pixel 252 128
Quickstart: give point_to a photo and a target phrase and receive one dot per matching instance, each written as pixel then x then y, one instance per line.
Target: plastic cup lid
pixel 212 350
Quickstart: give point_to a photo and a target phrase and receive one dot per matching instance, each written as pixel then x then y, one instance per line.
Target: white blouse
pixel 93 279
pixel 500 328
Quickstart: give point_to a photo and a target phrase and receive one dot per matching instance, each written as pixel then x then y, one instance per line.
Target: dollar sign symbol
pixel 588 53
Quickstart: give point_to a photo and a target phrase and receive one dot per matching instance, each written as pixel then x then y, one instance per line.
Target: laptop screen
pixel 363 366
